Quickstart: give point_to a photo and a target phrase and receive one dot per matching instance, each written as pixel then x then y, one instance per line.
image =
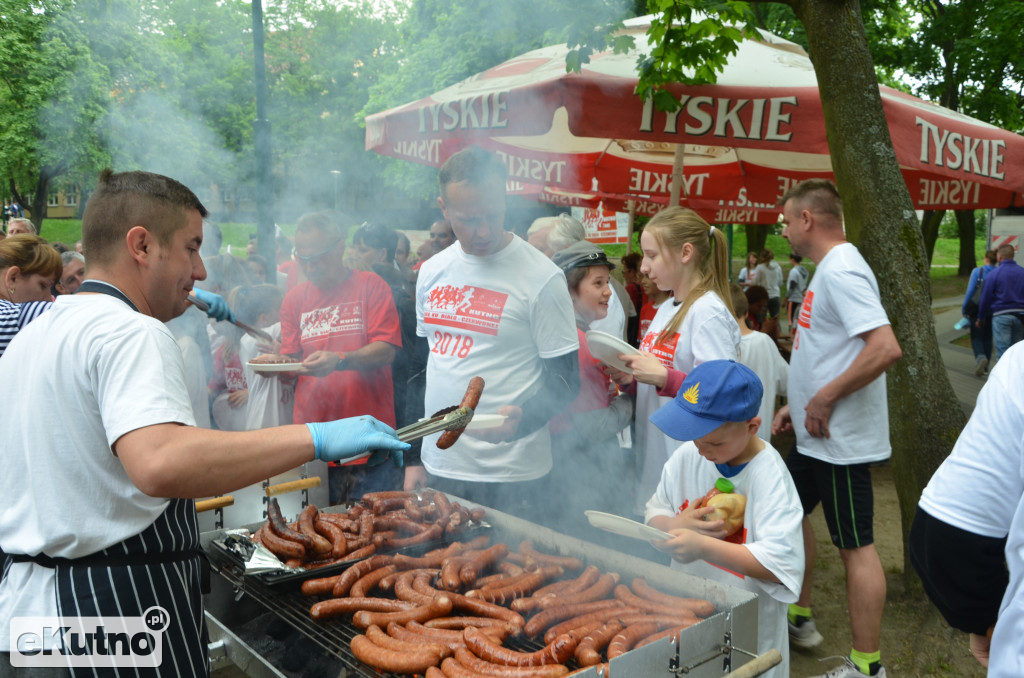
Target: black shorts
pixel 844 493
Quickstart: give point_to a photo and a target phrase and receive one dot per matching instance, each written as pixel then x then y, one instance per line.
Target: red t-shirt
pixel 647 313
pixel 357 312
pixel 595 388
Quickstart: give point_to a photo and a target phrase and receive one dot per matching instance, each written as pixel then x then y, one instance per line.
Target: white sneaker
pixel 805 634
pixel 982 367
pixel 848 670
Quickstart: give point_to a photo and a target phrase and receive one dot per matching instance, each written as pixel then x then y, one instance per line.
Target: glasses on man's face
pixel 319 256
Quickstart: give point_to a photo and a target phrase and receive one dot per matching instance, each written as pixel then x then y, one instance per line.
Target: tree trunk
pixel 757 238
pixel 42 196
pixel 924 415
pixel 966 230
pixel 930 221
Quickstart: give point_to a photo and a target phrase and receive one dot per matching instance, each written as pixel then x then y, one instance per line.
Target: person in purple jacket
pixel 1002 296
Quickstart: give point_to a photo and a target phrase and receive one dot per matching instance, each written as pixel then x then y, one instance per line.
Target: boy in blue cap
pixel 716 410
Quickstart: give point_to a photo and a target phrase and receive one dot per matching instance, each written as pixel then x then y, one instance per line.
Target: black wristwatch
pixel 340 365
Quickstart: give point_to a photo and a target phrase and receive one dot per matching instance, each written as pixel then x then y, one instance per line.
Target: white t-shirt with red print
pixel 495 317
pixel 708 332
pixel 771 531
pixel 841 303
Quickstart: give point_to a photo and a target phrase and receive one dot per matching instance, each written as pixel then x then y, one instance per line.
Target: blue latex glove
pixel 346 438
pixel 218 308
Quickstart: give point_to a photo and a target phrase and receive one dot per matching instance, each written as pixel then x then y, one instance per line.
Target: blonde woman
pixel 29 267
pixel 687 256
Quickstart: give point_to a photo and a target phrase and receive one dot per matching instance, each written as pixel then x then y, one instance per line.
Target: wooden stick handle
pixel 757 665
pixel 294 486
pixel 214 503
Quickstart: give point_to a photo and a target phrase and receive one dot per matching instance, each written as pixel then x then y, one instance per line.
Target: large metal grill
pixel 711 648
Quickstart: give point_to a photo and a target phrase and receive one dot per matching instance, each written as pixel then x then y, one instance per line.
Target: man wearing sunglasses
pixel 343 326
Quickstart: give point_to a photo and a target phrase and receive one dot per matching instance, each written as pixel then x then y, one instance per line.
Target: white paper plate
pixel 275 367
pixel 480 421
pixel 610 522
pixel 606 348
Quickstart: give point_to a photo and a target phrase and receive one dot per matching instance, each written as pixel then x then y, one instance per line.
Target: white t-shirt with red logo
pixel 708 332
pixel 771 531
pixel 493 317
pixel 841 303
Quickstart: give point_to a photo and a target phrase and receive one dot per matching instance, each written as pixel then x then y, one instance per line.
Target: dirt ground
pixel 916 641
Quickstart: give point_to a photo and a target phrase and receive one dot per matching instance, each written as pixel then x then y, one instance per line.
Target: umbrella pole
pixel 629 226
pixel 677 174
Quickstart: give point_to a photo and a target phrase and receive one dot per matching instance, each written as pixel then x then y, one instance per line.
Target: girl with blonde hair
pixel 689 257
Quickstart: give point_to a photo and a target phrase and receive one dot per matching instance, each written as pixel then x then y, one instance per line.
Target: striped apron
pixel 161 566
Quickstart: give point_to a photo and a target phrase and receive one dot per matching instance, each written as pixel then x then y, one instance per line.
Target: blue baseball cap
pixel 714 393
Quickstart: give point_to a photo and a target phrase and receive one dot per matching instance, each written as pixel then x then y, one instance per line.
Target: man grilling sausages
pixel 101 458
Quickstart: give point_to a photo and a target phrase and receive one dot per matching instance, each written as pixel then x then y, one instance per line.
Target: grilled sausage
pixel 475 607
pixel 429 534
pixel 284 549
pixel 279 527
pixel 567 562
pixel 392 661
pixel 518 588
pixel 480 667
pixel 627 597
pixel 356 572
pixel 701 608
pixel 334 607
pixel 625 639
pixel 558 651
pixel 601 589
pixel 439 607
pixel 334 533
pixel 672 632
pixel 480 562
pixel 588 651
pixel 553 615
pixel 369 581
pixel 568 625
pixel 460 623
pixel 471 399
pixel 321 545
pixel 375 634
pixel 359 553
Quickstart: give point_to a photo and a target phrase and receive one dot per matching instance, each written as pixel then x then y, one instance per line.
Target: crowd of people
pixel 165 403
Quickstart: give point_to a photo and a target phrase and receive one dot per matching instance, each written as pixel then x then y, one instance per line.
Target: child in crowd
pixel 654 298
pixel 746 276
pixel 684 255
pixel 270 398
pixel 228 387
pixel 796 285
pixel 759 353
pixel 716 410
pixel 588 460
pixel 768 275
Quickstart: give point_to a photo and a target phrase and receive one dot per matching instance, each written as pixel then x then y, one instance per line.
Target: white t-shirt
pixel 772 531
pixel 270 399
pixel 980 488
pixel 101 370
pixel 493 317
pixel 769 276
pixel 759 353
pixel 708 332
pixel 842 302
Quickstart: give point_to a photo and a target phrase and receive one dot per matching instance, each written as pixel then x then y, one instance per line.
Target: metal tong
pixel 448 419
pixel 251 331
